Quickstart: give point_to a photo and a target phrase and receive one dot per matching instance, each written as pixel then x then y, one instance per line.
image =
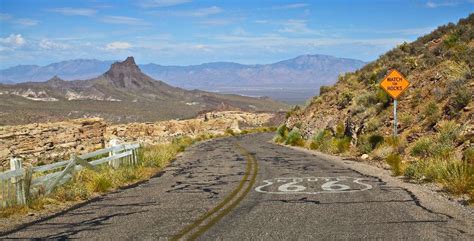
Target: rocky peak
pixel 126 74
pixel 55 81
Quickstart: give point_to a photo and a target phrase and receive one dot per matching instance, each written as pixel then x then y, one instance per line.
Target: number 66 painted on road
pixel 292 185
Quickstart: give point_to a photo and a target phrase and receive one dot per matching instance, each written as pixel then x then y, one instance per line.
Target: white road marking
pixel 295 185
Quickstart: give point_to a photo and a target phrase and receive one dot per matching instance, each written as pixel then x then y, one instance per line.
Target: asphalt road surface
pixel 245 188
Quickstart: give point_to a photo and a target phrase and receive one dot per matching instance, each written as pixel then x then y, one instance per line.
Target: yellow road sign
pixel 394 84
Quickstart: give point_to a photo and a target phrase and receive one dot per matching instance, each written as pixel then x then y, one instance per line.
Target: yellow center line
pixel 251 165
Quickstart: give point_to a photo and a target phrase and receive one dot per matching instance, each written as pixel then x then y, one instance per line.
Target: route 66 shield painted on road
pixel 313 185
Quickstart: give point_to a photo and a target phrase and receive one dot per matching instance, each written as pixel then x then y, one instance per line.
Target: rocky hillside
pixel 122 94
pixel 436 113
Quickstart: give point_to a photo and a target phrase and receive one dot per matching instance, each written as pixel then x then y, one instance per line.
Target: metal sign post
pixel 395 117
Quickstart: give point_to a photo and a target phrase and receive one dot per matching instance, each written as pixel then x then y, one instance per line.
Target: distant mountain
pixel 122 94
pixel 68 70
pixel 303 71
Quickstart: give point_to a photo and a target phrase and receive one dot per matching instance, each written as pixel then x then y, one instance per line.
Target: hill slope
pixel 122 94
pixel 436 113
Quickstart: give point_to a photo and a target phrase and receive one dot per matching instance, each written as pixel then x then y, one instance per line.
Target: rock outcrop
pixel 49 142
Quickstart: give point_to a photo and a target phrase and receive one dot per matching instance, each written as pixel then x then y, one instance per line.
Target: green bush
pixel 344 99
pixel 229 132
pixel 422 147
pixel 373 124
pixel 320 140
pixel 324 89
pixel 340 130
pixel 282 133
pixel 342 144
pixel 375 140
pixel 468 155
pixel 458 101
pixel 458 177
pixel 395 163
pixel 383 97
pixel 363 144
pixel 431 113
pixel 448 132
pixel 294 138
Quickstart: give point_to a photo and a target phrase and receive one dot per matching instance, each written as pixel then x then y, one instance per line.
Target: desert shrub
pixel 281 134
pixel 382 152
pixel 375 140
pixel 458 101
pixel 340 130
pixel 344 99
pixel 229 132
pixel 321 140
pixel 406 119
pixel 457 177
pixel 324 89
pixel 373 124
pixel 448 132
pixel 367 99
pixel 341 145
pixel 383 97
pixel 422 147
pixel 431 113
pixel 424 170
pixel 451 40
pixel 71 191
pixel 184 141
pixel 294 138
pixel 158 155
pixel 395 163
pixel 468 155
pixel 293 111
pixel 363 144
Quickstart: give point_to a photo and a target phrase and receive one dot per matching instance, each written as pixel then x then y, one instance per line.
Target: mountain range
pixel 121 94
pixel 305 71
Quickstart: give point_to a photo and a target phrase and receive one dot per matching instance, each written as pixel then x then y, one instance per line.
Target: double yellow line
pixel 206 221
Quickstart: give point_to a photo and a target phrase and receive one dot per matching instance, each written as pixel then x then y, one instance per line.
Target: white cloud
pixel 5 16
pixel 18 21
pixel 51 45
pixel 123 20
pixel 118 46
pixel 160 3
pixel 26 22
pixel 203 12
pixel 216 21
pixel 13 40
pixel 200 12
pixel 291 6
pixel 437 4
pixel 297 26
pixel 74 11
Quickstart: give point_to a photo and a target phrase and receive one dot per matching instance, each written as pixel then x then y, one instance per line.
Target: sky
pixel 185 32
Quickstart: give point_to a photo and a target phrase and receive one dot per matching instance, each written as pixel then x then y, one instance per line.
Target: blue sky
pixel 182 32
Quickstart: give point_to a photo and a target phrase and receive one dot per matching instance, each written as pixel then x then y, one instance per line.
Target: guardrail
pixel 20 184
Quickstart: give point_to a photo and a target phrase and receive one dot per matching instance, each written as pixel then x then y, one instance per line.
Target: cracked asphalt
pixel 297 195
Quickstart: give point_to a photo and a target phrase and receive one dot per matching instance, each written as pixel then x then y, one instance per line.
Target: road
pixel 246 188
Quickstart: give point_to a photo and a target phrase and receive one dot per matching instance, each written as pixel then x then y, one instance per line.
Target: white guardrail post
pixel 16 164
pixel 116 162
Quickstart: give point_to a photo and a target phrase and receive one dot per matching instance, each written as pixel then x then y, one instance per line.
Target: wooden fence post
pixel 16 164
pixel 114 163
